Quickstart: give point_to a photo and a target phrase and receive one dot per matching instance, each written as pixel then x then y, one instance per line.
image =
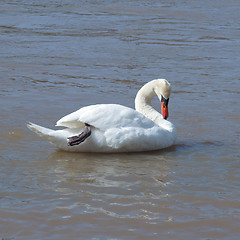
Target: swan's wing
pixel 105 116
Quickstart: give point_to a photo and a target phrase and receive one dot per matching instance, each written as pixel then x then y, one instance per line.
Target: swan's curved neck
pixel 143 102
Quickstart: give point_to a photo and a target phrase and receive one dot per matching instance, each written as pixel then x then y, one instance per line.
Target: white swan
pixel 116 128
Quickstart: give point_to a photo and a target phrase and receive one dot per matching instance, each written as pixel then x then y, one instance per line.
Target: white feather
pixel 114 128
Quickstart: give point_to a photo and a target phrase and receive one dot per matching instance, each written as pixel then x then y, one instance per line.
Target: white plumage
pixel 116 128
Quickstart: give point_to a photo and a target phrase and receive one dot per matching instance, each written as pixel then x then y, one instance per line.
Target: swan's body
pixel 116 128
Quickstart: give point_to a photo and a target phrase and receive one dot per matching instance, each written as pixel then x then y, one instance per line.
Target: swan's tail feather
pixel 45 133
pixel 57 137
pixel 42 131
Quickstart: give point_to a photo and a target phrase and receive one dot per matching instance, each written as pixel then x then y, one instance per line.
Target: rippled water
pixel 57 56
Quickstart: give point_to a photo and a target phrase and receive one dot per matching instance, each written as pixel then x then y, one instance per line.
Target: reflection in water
pixel 102 169
pixel 116 185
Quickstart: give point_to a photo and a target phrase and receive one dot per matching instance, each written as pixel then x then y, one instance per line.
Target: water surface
pixel 58 56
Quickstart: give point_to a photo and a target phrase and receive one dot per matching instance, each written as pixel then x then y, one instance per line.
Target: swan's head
pixel 163 89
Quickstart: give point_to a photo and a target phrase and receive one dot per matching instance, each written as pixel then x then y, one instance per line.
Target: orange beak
pixel 164 107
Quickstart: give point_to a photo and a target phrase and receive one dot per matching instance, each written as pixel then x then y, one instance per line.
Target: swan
pixel 116 128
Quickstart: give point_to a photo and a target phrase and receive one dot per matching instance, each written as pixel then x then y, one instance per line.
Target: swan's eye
pixel 165 101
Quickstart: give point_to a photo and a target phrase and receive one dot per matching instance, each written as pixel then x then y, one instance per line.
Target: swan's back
pixel 105 116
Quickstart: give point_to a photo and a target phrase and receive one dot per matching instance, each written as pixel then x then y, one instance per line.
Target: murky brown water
pixel 57 56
